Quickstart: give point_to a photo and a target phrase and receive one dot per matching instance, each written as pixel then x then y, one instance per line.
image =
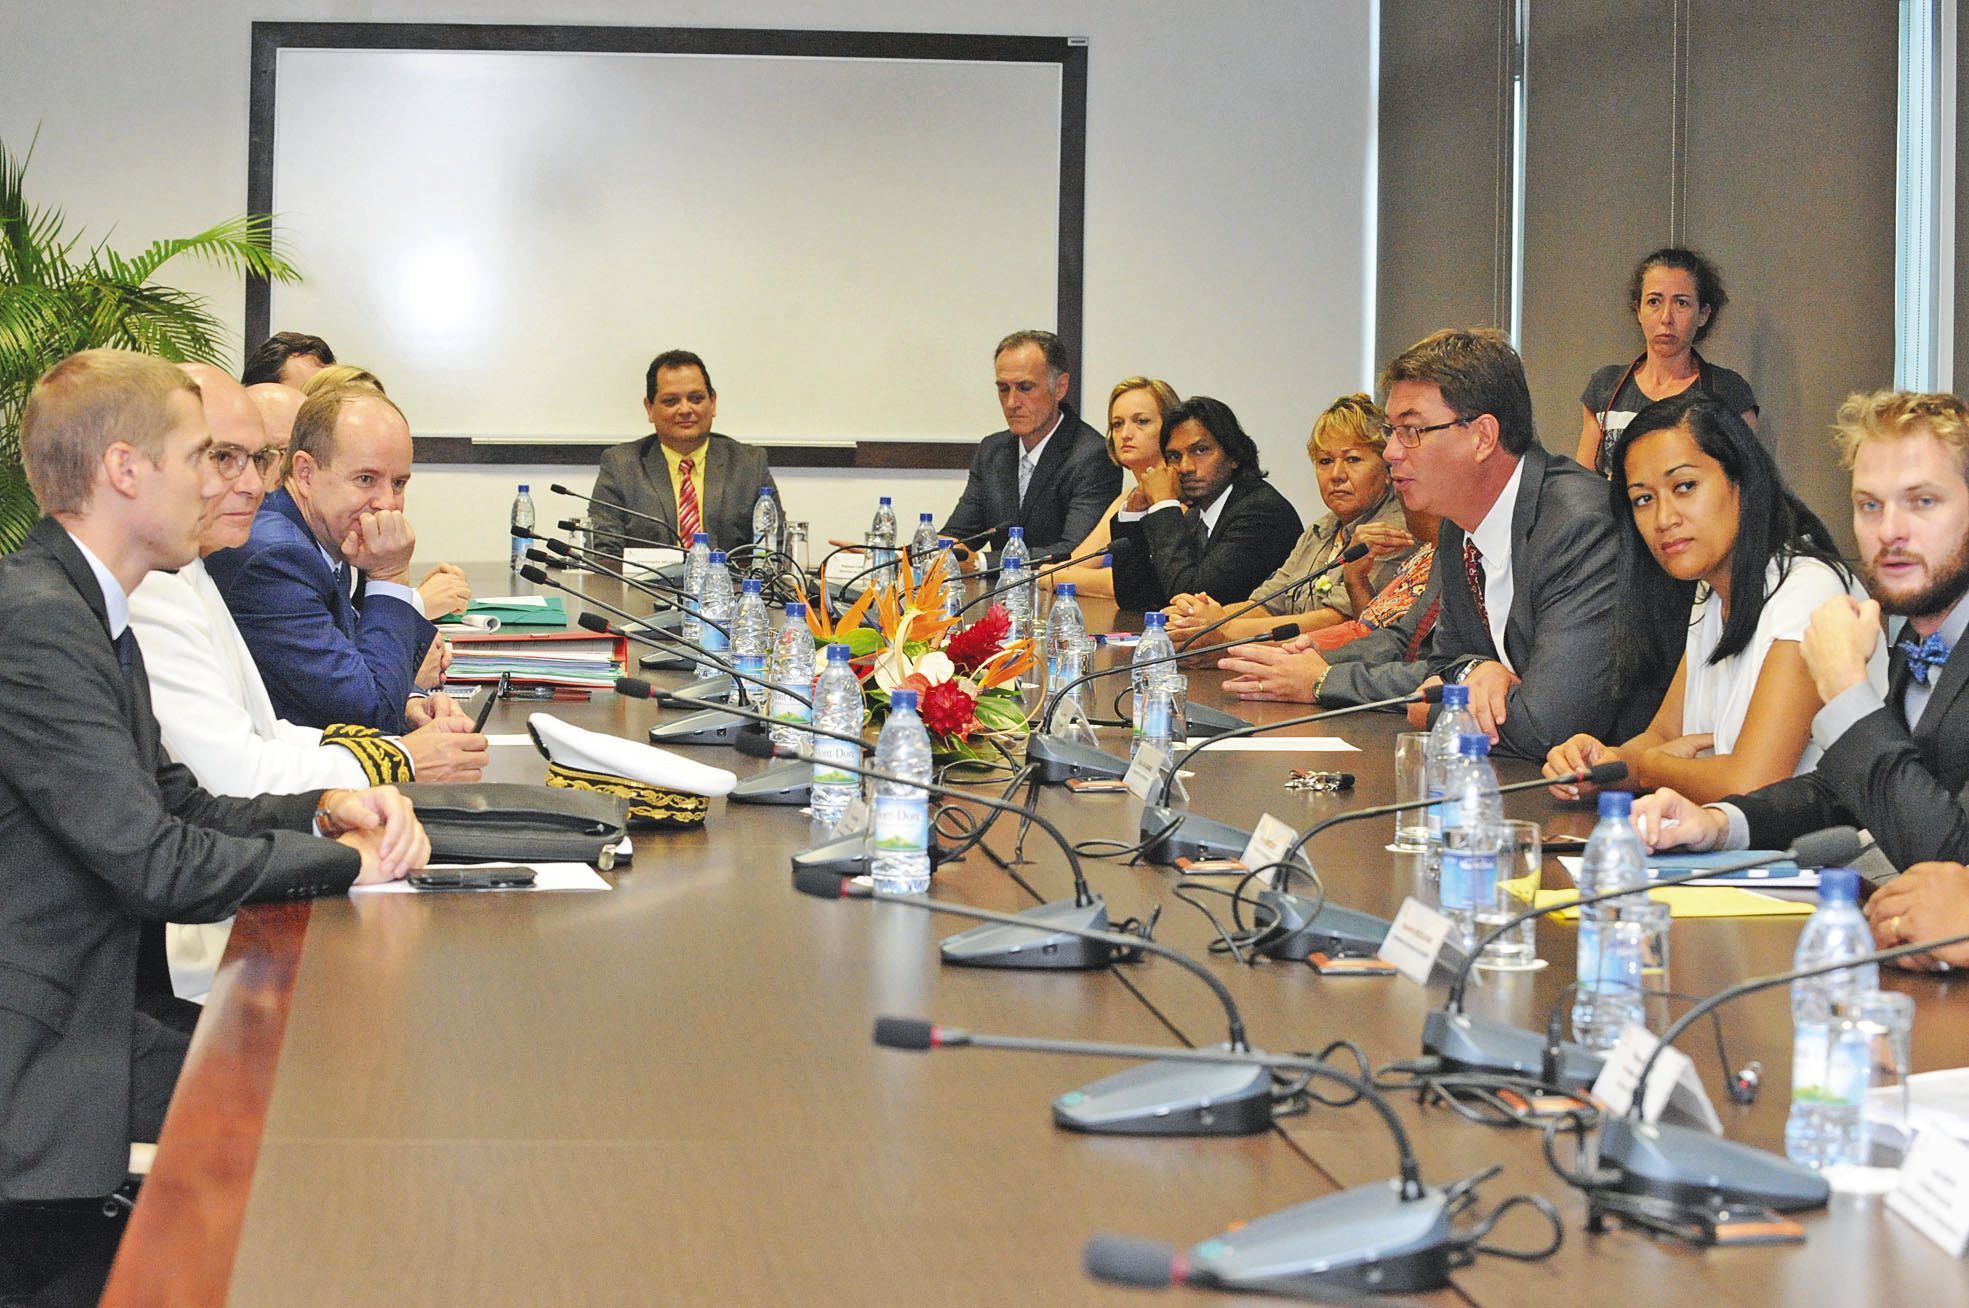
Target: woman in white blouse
pixel 1702 505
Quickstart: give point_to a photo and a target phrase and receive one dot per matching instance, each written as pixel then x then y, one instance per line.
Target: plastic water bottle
pixel 1827 1098
pixel 1016 595
pixel 1015 547
pixel 752 641
pixel 1066 627
pixel 1605 1003
pixel 837 708
pixel 899 843
pixel 883 543
pixel 715 602
pixel 923 545
pixel 1473 837
pixel 1154 644
pixel 1453 722
pixel 953 590
pixel 792 673
pixel 697 564
pixel 765 528
pixel 522 521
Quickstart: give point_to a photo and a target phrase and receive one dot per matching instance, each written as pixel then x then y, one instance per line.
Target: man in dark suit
pixel 1204 522
pixel 99 834
pixel 1524 563
pixel 1895 766
pixel 684 475
pixel 1048 471
pixel 321 588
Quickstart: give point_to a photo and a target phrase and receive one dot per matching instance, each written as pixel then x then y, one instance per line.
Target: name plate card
pixel 1268 843
pixel 1933 1192
pixel 1414 941
pixel 1674 1077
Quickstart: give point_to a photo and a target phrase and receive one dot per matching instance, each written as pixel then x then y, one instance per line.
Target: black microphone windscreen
pixel 1832 847
pixel 537 576
pixel 1119 549
pixel 905 1033
pixel 595 622
pixel 818 882
pixel 1605 774
pixel 559 489
pixel 542 556
pixel 1432 694
pixel 633 687
pixel 1285 631
pixel 1355 553
pixel 566 524
pixel 560 547
pixel 1129 1260
pixel 525 533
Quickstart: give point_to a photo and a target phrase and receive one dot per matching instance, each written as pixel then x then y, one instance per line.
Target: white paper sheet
pixel 546 876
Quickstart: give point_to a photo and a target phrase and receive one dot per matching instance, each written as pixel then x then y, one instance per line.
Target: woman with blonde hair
pixel 1136 407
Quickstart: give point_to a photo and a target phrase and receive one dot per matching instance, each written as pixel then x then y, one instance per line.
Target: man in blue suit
pixel 320 590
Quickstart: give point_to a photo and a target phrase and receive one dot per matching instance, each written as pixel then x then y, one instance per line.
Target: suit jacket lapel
pixel 1051 459
pixel 341 605
pixel 134 696
pixel 1455 597
pixel 656 468
pixel 1948 684
pixel 1524 516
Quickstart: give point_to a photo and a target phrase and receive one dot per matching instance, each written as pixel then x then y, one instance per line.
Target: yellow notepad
pixel 1701 901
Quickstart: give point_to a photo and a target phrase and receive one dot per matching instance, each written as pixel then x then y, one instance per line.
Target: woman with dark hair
pixel 1203 521
pixel 1676 295
pixel 1702 508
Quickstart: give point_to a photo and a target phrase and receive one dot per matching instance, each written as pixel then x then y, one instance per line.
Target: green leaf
pixel 863 641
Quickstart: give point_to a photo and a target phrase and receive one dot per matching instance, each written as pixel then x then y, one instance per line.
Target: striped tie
pixel 689 520
pixel 1473 572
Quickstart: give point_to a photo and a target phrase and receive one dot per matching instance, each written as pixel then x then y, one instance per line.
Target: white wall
pixel 1229 149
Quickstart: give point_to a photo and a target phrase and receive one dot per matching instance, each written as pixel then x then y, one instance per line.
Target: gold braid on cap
pixel 383 760
pixel 649 806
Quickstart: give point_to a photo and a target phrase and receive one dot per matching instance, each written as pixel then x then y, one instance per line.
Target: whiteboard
pixel 507 238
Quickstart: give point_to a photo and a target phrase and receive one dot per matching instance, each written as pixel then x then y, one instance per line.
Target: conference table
pixel 667 1092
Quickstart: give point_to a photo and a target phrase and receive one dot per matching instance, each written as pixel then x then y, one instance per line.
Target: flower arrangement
pixel 967 678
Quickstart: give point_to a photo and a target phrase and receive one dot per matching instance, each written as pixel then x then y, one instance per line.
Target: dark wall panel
pixel 1791 189
pixel 1599 176
pixel 1444 167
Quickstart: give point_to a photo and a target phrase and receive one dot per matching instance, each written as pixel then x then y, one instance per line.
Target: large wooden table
pixel 667 1093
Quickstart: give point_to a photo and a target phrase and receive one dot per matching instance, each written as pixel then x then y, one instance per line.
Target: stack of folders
pixel 554 658
pixel 495 612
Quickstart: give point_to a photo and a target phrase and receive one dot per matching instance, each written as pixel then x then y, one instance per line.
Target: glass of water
pixel 1520 865
pixel 1411 784
pixel 1874 1032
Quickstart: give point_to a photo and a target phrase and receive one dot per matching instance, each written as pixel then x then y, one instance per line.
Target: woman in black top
pixel 1676 296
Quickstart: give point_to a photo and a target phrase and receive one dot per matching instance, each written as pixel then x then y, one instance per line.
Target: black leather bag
pixel 497 822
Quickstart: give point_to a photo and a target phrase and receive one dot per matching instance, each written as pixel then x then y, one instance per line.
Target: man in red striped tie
pixel 683 478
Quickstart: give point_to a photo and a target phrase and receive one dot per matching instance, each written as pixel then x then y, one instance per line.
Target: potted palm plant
pixel 58 295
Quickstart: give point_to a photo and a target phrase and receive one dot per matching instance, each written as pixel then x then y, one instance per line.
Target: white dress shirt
pixel 1029 458
pixel 1492 538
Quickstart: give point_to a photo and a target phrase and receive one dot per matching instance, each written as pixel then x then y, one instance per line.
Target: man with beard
pixel 1896 766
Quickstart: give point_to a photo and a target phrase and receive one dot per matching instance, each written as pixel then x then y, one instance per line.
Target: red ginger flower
pixel 969 648
pixel 947 710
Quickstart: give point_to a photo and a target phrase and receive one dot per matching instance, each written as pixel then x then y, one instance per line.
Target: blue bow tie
pixel 1924 655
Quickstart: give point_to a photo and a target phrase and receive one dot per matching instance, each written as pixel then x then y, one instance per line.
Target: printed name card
pixel 1673 1079
pixel 1269 841
pixel 1933 1192
pixel 1146 772
pixel 1414 941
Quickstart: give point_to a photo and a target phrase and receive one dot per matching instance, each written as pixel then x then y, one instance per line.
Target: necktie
pixel 126 654
pixel 1025 475
pixel 1473 572
pixel 1924 656
pixel 690 520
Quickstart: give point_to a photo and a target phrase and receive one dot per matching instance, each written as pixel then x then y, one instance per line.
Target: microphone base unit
pixel 1366 1240
pixel 665 663
pixel 1056 758
pixel 785 783
pixel 1299 932
pixel 1043 945
pixel 1202 720
pixel 1688 1165
pixel 1172 1098
pixel 707 690
pixel 707 727
pixel 1465 1042
pixel 846 856
pixel 1197 837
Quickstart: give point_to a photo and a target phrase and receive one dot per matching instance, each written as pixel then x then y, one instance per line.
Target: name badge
pixel 1414 941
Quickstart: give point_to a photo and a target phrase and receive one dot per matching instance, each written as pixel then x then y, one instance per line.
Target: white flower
pixel 893 667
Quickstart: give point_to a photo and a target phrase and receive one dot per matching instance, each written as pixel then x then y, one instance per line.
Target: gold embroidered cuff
pixel 383 760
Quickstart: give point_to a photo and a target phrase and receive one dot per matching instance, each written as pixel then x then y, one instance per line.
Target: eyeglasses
pixel 231 460
pixel 1410 437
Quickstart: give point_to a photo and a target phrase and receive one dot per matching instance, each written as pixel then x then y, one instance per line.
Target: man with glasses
pixel 211 704
pixel 1524 565
pixel 321 589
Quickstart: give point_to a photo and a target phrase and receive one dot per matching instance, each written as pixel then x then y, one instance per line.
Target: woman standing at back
pixel 1676 296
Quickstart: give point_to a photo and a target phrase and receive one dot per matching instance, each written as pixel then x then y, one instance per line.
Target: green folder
pixel 518 611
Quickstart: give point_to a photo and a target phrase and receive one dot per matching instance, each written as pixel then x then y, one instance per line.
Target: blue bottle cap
pixel 700 538
pixel 839 653
pixel 1017 533
pixel 752 585
pixel 1839 885
pixel 1474 744
pixel 1616 803
pixel 1154 619
pixel 796 609
pixel 765 490
pixel 926 517
pixel 1066 590
pixel 883 500
pixel 902 699
pixel 717 556
pixel 522 488
pixel 1456 697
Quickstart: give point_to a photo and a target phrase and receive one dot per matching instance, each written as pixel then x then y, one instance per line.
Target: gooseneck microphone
pixel 1282 632
pixel 559 489
pixel 1351 554
pixel 639 542
pixel 1170 1094
pixel 1118 549
pixel 916 557
pixel 1464 1042
pixel 1391 1235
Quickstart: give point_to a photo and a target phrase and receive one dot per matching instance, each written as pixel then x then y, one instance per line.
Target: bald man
pixel 211 704
pixel 278 405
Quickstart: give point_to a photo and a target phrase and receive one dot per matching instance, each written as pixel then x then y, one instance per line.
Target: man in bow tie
pixel 1896 766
